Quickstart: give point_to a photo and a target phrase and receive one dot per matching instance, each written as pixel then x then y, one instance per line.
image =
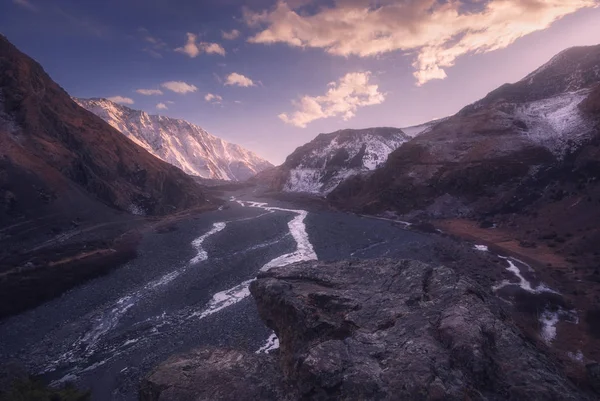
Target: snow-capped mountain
pixel 320 165
pixel 485 158
pixel 179 142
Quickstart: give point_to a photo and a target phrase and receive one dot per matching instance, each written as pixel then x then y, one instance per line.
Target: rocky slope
pixel 322 164
pixel 180 143
pixel 473 163
pixel 65 174
pixel 60 148
pixel 412 331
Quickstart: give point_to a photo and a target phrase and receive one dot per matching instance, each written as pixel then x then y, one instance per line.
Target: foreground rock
pixel 214 374
pixel 380 330
pixel 399 330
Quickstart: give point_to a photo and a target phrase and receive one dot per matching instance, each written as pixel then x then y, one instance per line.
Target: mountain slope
pixel 320 165
pixel 48 137
pixel 180 143
pixel 472 163
pixel 70 187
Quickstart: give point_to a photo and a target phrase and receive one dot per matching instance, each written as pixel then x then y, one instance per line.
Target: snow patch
pixel 556 123
pixel 577 356
pixel 482 248
pixel 136 210
pixel 271 345
pixel 201 254
pixel 548 321
pixel 523 282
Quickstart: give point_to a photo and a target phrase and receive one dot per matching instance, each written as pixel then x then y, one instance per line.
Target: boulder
pixel 371 330
pixel 402 330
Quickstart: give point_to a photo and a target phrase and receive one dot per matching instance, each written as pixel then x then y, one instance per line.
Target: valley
pixel 143 258
pixel 187 287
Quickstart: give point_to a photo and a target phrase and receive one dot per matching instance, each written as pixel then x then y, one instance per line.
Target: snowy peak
pixel 179 143
pixel 320 165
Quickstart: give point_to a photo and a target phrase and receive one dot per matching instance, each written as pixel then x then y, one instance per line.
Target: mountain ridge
pixel 178 142
pixel 320 165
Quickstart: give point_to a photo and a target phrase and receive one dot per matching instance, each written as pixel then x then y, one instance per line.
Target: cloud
pixel 238 80
pixel 194 49
pixel 231 35
pixel 152 45
pixel 179 87
pixel 436 32
pixel 211 98
pixel 162 106
pixel 149 92
pixel 343 98
pixel 26 4
pixel 121 100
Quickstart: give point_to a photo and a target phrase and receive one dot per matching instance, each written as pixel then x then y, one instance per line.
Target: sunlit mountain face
pixel 270 75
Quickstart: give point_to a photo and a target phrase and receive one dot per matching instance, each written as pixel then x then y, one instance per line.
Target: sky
pixel 270 75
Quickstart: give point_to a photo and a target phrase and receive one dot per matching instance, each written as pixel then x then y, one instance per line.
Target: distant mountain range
pixel 179 142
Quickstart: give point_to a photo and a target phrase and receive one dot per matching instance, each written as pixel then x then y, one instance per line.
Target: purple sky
pixel 270 75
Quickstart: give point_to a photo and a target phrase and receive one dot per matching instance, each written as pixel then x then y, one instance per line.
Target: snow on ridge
pixel 179 142
pixel 556 123
pixel 313 174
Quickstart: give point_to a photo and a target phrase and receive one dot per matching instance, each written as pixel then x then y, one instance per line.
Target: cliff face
pixel 410 331
pixel 180 143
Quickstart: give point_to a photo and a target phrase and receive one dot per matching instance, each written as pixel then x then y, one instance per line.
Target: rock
pixel 11 372
pixel 593 374
pixel 214 374
pixel 401 330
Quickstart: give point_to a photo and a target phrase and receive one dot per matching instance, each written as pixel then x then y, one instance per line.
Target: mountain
pixel 474 162
pixel 180 143
pixel 51 144
pixel 320 165
pixel 69 185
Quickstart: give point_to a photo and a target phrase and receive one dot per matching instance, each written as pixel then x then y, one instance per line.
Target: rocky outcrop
pixel 210 374
pixel 384 330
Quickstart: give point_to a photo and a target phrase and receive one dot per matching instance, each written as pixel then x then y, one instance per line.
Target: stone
pixel 390 330
pixel 209 374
